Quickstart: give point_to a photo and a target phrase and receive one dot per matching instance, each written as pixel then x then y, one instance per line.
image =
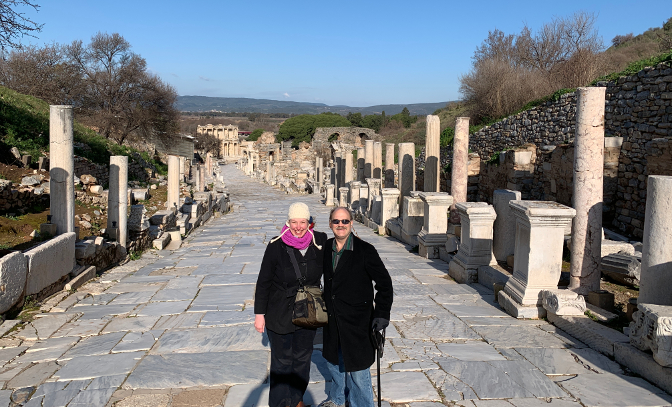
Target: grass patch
pixel 135 255
pixel 635 67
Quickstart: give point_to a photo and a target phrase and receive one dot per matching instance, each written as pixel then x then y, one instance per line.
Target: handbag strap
pixel 300 278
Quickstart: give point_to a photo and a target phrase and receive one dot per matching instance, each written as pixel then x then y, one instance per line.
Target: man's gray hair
pixel 331 214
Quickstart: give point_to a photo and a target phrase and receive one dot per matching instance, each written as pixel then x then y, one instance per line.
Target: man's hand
pixel 379 324
pixel 259 323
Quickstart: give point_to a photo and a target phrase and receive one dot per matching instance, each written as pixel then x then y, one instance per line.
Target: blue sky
pixel 356 53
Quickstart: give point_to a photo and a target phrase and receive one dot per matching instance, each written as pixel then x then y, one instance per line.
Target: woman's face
pixel 298 227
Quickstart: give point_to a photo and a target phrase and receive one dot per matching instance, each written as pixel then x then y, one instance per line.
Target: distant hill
pixel 205 104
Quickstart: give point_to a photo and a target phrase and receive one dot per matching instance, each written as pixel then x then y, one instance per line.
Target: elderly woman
pixel 291 346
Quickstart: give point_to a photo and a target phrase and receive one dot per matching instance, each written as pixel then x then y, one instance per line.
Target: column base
pixel 462 273
pixel 429 244
pixel 517 310
pixel 452 243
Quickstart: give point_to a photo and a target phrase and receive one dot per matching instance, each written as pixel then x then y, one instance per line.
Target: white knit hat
pixel 298 210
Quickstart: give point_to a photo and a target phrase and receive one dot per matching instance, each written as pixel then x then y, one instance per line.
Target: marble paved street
pixel 175 329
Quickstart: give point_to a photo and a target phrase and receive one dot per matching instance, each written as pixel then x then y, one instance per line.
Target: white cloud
pixel 285 94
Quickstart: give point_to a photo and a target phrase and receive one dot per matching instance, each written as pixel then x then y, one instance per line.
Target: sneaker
pixel 329 403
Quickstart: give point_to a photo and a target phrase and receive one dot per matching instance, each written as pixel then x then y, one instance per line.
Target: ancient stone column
pixel 338 157
pixel 361 154
pixel 319 174
pixel 389 208
pixel 173 200
pixel 182 168
pixel 268 172
pixel 435 223
pixel 656 274
pixel 389 165
pixel 201 178
pixel 368 159
pixel 475 248
pixel 588 191
pixel 378 160
pixel 540 231
pixel 208 164
pixel 432 153
pixel 373 191
pixel 329 200
pixel 459 173
pixel 406 171
pixel 117 202
pixel 347 166
pixel 504 232
pixel 363 198
pixel 317 168
pixel 61 168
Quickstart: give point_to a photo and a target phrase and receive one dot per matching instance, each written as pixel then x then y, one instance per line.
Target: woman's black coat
pixel 277 284
pixel 348 293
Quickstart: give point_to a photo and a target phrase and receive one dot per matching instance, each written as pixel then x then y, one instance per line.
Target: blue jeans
pixel 358 383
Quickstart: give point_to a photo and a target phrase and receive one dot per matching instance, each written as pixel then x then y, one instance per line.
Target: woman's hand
pixel 259 323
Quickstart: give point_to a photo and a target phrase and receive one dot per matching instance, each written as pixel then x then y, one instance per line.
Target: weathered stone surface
pixel 597 336
pixel 475 248
pixel 643 364
pixel 82 278
pixel 651 329
pixel 619 390
pixel 504 227
pixel 622 268
pixel 404 387
pixel 563 302
pixel 50 261
pixel 13 272
pixel 215 369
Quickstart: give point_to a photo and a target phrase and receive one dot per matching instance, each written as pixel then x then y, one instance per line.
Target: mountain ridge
pixel 190 103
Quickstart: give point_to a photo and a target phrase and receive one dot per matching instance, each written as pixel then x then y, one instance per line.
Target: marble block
pixel 651 329
pixel 475 247
pixel 504 228
pixel 412 219
pixel 537 264
pixel 563 302
pixel 435 223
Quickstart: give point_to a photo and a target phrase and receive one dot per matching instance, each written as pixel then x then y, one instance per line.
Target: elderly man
pixel 350 271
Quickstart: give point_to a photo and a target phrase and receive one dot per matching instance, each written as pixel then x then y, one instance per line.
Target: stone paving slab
pixel 214 369
pixel 234 338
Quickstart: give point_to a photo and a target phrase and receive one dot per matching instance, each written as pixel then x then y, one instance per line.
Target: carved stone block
pixel 563 302
pixel 651 329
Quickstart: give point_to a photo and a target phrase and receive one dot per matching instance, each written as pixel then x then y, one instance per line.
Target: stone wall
pixel 18 199
pixel 138 169
pixel 638 109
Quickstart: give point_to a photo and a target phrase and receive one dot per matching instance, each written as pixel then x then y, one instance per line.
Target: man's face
pixel 340 230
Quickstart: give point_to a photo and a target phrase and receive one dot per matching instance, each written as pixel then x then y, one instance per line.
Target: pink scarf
pixel 300 243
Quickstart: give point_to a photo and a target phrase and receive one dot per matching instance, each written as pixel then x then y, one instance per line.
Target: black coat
pixel 348 293
pixel 277 284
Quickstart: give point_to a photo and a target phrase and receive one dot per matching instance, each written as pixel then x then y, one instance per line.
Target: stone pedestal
pixel 343 196
pixel 656 273
pixel 61 169
pixel 173 200
pixel 329 200
pixel 389 208
pixel 406 171
pixel 476 241
pixel 651 330
pixel 389 165
pixel 182 168
pixel 537 265
pixel 504 233
pixel 117 201
pixel 459 176
pixel 319 174
pixel 361 154
pixel 412 218
pixel 355 187
pixel 432 153
pixel 373 185
pixel 368 159
pixel 588 190
pixel 48 229
pixel 378 160
pixel 363 198
pixel 435 223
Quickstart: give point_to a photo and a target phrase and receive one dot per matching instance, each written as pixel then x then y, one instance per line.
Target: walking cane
pixel 379 337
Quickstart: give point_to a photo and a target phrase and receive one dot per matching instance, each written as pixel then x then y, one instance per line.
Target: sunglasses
pixel 337 221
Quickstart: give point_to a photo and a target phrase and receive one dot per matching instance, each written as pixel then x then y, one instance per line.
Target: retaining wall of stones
pixel 15 198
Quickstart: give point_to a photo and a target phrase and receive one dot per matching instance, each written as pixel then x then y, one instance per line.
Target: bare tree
pixel 14 24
